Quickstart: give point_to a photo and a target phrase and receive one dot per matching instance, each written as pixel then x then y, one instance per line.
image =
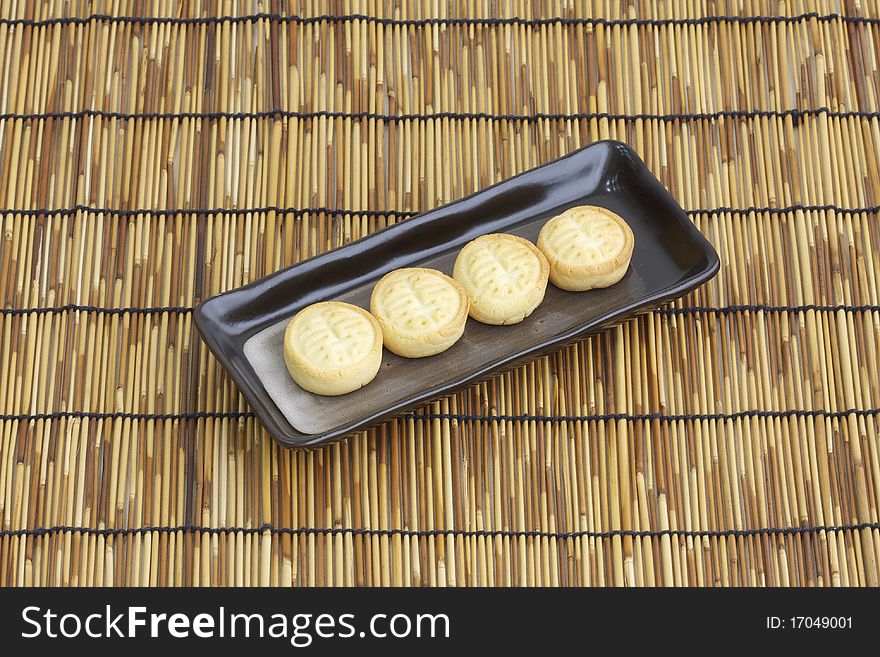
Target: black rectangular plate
pixel 671 257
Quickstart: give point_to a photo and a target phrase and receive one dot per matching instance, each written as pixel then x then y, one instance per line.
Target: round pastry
pixel 421 311
pixel 331 348
pixel 505 277
pixel 587 246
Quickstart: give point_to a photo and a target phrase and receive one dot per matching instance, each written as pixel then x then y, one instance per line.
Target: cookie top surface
pixel 586 236
pixel 332 335
pixel 418 300
pixel 500 266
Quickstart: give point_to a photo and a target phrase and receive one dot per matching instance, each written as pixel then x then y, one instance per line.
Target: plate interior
pixel 479 347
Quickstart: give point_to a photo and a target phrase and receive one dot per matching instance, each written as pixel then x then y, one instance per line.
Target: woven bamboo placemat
pixel 148 163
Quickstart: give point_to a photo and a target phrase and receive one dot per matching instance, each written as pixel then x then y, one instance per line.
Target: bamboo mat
pixel 148 163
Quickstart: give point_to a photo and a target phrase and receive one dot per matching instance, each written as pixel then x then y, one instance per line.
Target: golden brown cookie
pixel 587 247
pixel 331 348
pixel 505 277
pixel 421 311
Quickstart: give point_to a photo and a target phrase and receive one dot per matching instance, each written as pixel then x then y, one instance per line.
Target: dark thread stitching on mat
pixel 743 308
pixel 599 417
pixel 428 533
pixel 797 207
pixel 692 310
pixel 430 22
pixel 121 415
pixel 206 211
pixel 794 113
pixel 170 212
pixel 156 310
pixel 645 417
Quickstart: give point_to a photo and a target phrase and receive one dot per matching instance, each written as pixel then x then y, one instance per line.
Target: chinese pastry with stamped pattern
pixel 587 246
pixel 505 277
pixel 332 348
pixel 421 311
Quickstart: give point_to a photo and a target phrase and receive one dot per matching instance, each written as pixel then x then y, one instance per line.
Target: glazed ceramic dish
pixel 244 328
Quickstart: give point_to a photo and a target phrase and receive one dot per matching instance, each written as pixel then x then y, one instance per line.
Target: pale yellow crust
pixel 588 247
pixel 505 277
pixel 332 348
pixel 421 311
